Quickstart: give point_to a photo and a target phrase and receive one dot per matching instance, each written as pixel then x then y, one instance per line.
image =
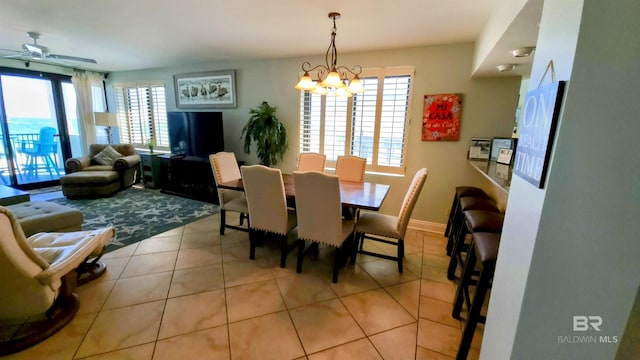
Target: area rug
pixel 138 214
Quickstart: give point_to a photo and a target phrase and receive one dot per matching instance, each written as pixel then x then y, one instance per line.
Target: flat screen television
pixel 195 134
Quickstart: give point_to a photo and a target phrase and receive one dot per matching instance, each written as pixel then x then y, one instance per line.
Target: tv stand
pixel 189 177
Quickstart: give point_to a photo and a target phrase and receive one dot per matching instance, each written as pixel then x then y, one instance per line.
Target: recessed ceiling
pixel 130 35
pixel 522 32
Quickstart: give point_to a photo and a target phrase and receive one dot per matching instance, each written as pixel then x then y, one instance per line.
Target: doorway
pixel 34 138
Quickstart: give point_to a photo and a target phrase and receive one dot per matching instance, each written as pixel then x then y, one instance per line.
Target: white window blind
pixel 310 122
pixel 372 125
pixel 335 127
pixel 142 115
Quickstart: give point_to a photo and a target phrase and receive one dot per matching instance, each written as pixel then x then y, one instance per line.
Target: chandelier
pixel 332 79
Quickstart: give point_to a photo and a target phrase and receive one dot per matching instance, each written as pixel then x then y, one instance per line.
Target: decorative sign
pixel 537 129
pixel 441 117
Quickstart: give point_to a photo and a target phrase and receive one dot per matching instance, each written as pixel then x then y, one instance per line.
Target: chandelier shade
pixel 331 78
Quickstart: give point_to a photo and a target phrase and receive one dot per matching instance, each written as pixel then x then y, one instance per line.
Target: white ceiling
pixel 140 34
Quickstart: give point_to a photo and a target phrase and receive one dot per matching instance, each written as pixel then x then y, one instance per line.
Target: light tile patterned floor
pixel 190 293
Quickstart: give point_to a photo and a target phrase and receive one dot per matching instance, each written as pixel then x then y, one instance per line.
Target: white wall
pixel 503 14
pixel 488 110
pixel 572 248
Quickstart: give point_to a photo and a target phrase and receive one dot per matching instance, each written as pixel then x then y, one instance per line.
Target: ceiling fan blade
pixel 19 55
pixel 71 58
pixel 15 51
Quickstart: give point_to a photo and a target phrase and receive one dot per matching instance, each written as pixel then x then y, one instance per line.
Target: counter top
pixel 499 174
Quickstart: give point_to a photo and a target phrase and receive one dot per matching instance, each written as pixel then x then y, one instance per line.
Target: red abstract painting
pixel 441 117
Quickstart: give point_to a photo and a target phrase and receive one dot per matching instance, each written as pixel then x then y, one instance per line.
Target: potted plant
pixel 151 144
pixel 267 132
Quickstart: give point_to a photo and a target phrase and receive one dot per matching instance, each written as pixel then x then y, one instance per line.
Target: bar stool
pixel 461 191
pixel 484 247
pixel 464 204
pixel 474 221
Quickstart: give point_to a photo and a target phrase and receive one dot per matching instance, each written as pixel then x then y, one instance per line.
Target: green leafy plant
pixel 151 144
pixel 267 132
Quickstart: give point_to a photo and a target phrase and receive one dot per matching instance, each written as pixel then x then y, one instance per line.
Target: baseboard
pixel 427 226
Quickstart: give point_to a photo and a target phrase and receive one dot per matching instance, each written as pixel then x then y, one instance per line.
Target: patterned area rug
pixel 138 214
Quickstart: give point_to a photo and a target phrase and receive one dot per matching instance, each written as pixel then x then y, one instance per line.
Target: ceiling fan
pixel 36 51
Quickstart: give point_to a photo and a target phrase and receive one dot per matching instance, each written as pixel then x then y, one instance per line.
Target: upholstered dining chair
pixel 390 229
pixel 38 276
pixel 319 212
pixel 351 168
pixel 310 161
pixel 267 203
pixel 225 168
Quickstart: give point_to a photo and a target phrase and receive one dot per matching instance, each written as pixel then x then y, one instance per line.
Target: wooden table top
pixel 368 196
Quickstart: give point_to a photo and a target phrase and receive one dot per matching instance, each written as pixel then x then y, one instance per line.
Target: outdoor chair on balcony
pixel 35 147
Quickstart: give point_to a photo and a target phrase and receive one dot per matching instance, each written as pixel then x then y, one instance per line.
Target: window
pixel 142 114
pixel 372 125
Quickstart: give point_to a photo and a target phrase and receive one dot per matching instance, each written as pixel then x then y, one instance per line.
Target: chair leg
pixel 355 245
pixel 458 245
pixel 400 254
pixel 223 218
pixel 300 256
pixel 252 244
pixel 52 164
pixel 452 209
pixel 474 313
pixel 46 165
pixel 463 285
pixel 284 250
pixel 336 264
pixel 455 224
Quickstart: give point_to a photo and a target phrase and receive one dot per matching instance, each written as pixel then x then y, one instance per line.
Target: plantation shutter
pixel 363 132
pixel 335 127
pixel 393 120
pixel 372 125
pixel 142 115
pixel 310 122
pixel 160 128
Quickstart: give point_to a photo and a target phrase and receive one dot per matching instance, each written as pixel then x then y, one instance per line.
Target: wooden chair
pixel 39 275
pixel 387 228
pixel 319 212
pixel 311 162
pixel 225 168
pixel 351 168
pixel 267 204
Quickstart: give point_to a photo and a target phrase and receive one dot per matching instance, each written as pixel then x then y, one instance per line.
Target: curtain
pixel 89 101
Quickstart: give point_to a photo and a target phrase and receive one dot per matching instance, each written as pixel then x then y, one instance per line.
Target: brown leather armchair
pixel 127 166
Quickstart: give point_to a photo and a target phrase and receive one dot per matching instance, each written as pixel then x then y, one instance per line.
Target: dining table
pixel 354 195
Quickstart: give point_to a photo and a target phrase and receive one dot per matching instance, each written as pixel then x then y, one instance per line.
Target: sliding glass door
pixel 35 140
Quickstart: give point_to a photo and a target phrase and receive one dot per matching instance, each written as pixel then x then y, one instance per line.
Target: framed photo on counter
pixel 504 156
pixel 498 143
pixel 479 149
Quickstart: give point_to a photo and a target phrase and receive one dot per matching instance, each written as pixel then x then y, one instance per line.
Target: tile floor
pixel 191 293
